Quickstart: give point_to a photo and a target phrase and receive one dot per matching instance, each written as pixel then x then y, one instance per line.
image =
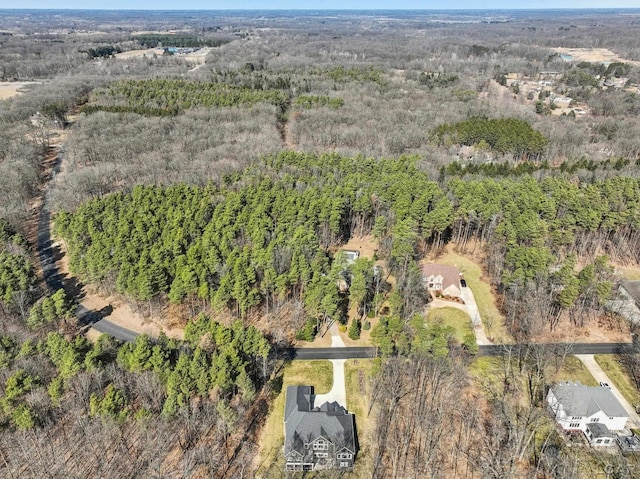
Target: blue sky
pixel 311 4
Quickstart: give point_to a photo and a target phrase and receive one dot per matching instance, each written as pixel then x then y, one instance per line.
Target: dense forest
pixel 227 247
pixel 221 187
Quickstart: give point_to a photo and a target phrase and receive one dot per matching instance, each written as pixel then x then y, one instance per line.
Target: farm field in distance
pixel 190 199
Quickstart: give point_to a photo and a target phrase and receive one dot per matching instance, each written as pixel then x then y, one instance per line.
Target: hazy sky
pixel 317 4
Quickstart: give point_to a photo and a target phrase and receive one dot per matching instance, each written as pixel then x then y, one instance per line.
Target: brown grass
pixel 13 88
pixel 619 376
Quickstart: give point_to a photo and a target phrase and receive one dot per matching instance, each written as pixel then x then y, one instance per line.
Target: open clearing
pixel 198 56
pixel 492 318
pixel 318 374
pixel 366 245
pixel 13 88
pixel 593 55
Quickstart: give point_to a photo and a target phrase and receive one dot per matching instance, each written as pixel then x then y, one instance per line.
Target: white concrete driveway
pixel 599 375
pixel 471 308
pixel 338 392
pixel 473 311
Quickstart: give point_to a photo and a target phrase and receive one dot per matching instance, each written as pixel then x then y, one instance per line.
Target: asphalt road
pixel 54 282
pixel 52 275
pixel 569 348
pixel 330 353
pixel 493 350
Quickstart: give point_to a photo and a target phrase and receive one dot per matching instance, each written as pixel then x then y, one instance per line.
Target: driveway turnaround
pixel 338 392
pixel 599 375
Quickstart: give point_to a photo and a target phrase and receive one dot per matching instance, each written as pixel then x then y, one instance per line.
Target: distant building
pixel 317 437
pixel 594 410
pixel 351 255
pixel 441 278
pixel 627 304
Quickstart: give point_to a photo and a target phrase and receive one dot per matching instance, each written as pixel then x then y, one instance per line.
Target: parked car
pixel 605 385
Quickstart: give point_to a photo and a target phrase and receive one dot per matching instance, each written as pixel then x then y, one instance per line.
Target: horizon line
pixel 319 9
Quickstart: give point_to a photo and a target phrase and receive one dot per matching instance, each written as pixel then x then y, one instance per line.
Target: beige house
pixel 442 279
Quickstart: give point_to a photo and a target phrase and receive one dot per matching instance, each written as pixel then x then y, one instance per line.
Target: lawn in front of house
pixel 573 370
pixel 492 318
pixel 611 365
pixel 318 374
pixel 455 318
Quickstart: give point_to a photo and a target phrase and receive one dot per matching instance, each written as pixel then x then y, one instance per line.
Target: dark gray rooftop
pixel 599 430
pixel 580 400
pixel 303 422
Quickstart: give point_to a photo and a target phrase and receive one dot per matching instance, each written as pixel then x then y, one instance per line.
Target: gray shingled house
pixel 594 410
pixel 317 437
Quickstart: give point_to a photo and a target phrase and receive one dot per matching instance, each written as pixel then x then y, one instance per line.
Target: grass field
pixel 574 370
pixel 629 272
pixel 492 318
pixel 616 372
pixel 457 319
pixel 313 373
pixel 571 370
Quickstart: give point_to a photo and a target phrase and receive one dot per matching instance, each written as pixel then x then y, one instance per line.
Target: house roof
pixel 580 400
pixel 633 288
pixel 450 274
pixel 597 430
pixel 305 423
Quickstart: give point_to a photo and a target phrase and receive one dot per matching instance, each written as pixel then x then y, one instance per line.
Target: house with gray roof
pixel 594 410
pixel 317 438
pixel 627 303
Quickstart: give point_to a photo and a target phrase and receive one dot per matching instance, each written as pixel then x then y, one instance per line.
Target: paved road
pixel 329 353
pixel 52 274
pixel 599 375
pixel 570 348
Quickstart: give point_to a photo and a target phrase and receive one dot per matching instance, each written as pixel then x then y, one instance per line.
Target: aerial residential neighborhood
pixel 354 241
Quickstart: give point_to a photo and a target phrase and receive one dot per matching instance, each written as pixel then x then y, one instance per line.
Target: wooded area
pixel 223 187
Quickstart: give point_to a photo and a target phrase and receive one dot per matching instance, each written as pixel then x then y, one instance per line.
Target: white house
pixel 594 410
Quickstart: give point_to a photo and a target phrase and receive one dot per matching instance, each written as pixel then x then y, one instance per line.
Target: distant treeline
pixel 153 40
pixel 503 135
pixel 506 168
pixel 161 97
